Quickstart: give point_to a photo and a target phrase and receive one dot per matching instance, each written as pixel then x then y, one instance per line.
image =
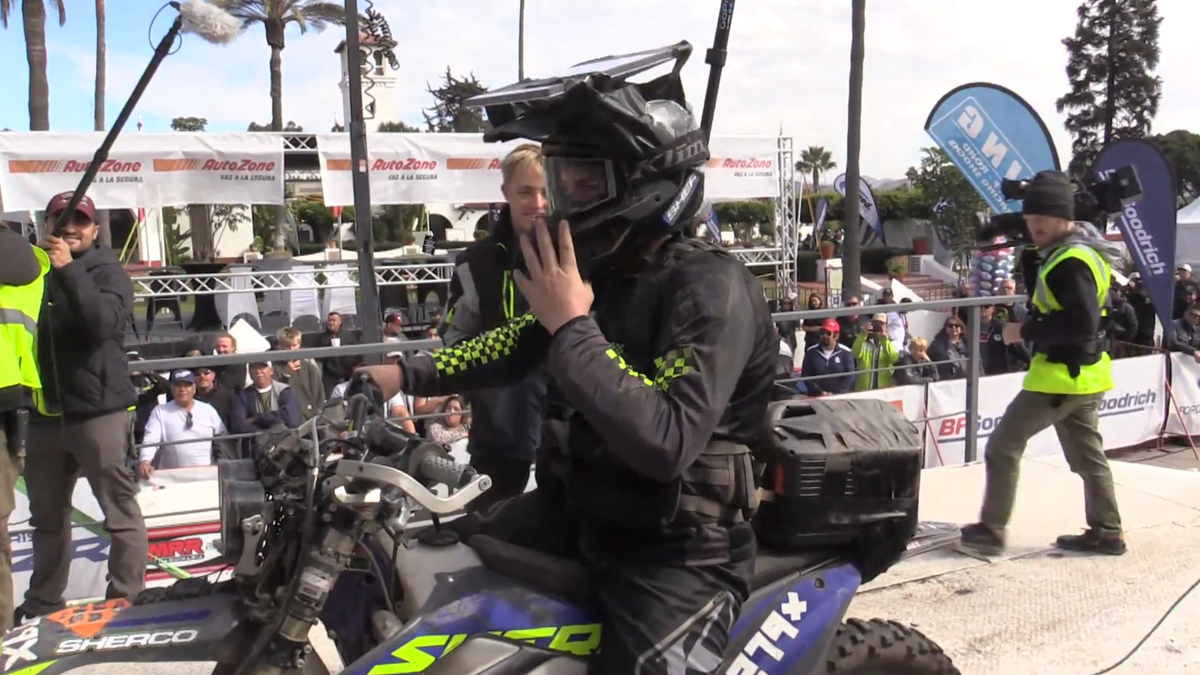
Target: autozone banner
pixel 461 168
pixel 1132 413
pixel 1185 387
pixel 143 170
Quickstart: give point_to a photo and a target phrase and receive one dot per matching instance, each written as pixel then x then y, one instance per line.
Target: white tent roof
pixel 1190 214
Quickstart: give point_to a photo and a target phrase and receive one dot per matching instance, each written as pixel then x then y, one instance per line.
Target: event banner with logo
pixel 461 168
pixel 868 210
pixel 1185 386
pixel 143 169
pixel 991 134
pixel 1131 414
pixel 1148 224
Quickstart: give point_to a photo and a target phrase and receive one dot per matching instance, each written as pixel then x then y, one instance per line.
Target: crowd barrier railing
pixel 1156 395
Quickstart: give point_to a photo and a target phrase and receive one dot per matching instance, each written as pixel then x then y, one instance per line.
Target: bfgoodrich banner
pixel 1131 414
pixel 1185 386
pixel 991 134
pixel 1148 224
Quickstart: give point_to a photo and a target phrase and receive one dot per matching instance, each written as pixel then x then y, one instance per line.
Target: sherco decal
pixel 160 638
pixel 89 619
pixel 18 645
pixel 419 653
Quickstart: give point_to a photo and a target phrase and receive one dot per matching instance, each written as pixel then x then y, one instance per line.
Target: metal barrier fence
pixel 974 369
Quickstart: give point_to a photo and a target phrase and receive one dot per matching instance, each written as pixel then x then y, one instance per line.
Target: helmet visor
pixel 576 185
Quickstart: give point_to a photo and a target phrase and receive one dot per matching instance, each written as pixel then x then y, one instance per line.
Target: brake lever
pixel 387 475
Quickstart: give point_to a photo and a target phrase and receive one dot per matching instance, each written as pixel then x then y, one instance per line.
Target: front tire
pixel 879 647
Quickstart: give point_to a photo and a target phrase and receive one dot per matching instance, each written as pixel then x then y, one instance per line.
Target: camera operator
pixel 85 414
pixel 1067 377
pixel 22 271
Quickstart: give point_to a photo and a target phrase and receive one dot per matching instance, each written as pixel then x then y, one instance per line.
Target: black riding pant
pixel 656 619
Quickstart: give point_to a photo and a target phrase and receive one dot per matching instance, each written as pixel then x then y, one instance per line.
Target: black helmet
pixel 624 161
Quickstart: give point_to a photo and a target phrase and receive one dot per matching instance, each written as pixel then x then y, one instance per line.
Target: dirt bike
pixel 314 530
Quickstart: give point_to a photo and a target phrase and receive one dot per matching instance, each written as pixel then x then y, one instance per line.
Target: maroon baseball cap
pixel 86 206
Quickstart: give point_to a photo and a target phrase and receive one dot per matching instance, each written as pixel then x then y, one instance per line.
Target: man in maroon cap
pixel 84 418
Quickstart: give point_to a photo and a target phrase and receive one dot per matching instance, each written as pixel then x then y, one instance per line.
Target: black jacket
pixel 505 421
pixel 996 357
pixel 916 373
pixel 81 336
pixel 1144 310
pixel 950 358
pixel 678 356
pixel 1184 337
pixel 1124 321
pixel 1069 334
pixel 18 264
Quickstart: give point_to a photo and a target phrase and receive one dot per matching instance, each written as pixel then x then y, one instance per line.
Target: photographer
pixel 84 423
pixel 22 270
pixel 1067 377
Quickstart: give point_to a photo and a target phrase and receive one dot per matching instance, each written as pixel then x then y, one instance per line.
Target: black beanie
pixel 1050 193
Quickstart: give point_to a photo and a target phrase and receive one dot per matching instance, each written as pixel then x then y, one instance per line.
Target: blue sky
pixel 788 63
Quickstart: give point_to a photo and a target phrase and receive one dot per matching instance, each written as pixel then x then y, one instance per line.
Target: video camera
pixel 1106 195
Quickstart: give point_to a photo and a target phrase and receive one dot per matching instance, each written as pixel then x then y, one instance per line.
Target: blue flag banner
pixel 867 208
pixel 713 225
pixel 819 220
pixel 1148 224
pixel 991 134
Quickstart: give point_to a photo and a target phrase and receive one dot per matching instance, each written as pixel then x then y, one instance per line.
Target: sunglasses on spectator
pixel 189 422
pixel 955 326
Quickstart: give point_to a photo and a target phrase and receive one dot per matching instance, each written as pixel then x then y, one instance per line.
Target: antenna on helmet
pixel 715 58
pixel 197 17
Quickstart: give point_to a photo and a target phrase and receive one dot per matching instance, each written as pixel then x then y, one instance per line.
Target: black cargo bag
pixel 837 473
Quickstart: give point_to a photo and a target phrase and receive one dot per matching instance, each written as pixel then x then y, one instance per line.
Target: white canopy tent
pixel 1187 237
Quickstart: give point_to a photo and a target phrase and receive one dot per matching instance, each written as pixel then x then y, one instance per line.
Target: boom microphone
pixel 206 20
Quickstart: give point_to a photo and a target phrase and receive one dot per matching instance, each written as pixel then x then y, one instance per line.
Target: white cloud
pixel 788 64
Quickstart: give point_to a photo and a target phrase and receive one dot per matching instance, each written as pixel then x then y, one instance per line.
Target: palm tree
pixel 275 17
pixel 102 219
pixel 521 44
pixel 851 251
pixel 815 161
pixel 33 19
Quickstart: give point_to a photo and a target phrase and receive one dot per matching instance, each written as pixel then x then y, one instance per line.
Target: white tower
pixel 380 103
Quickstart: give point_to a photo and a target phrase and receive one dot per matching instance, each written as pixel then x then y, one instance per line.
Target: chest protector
pixel 717 489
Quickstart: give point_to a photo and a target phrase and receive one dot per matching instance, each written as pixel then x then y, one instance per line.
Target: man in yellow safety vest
pixel 1067 378
pixel 23 270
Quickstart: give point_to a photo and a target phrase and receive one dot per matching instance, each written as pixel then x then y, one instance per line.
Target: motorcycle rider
pixel 661 353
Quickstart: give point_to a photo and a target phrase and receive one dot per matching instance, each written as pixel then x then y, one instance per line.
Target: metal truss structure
pixel 345 276
pixel 787 222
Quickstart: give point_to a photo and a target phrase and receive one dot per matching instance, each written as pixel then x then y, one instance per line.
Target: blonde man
pixel 483 297
pixel 302 375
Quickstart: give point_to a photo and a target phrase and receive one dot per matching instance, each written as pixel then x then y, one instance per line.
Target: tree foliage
pixel 1183 149
pixel 290 127
pixel 815 161
pixel 953 219
pixel 398 127
pixel 1111 59
pixel 448 113
pixel 189 124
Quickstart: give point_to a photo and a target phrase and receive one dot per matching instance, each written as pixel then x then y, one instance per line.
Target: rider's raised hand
pixel 388 377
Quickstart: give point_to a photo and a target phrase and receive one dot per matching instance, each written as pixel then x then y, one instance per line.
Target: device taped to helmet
pixel 624 161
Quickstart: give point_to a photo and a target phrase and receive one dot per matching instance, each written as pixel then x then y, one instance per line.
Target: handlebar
pixel 383 474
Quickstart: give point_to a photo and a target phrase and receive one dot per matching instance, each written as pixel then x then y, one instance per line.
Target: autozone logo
pixel 750 164
pixel 160 638
pixel 472 164
pixel 404 164
pixel 178 550
pixel 70 166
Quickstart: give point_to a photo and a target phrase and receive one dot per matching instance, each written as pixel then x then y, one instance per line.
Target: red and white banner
pixel 142 170
pixel 461 168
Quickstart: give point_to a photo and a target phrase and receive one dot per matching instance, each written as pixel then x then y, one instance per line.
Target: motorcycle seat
pixel 566 578
pixel 770 567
